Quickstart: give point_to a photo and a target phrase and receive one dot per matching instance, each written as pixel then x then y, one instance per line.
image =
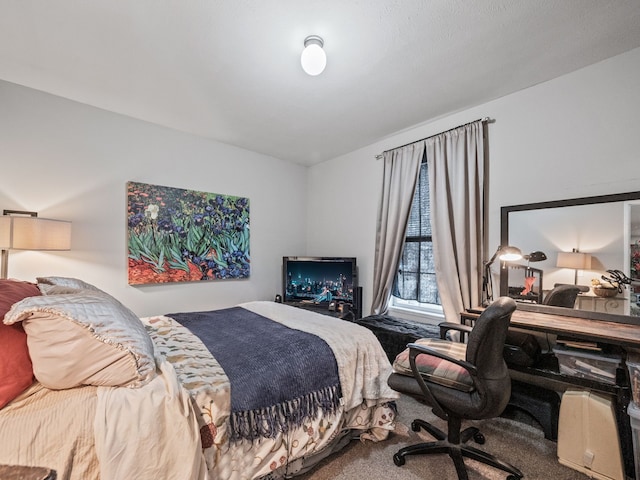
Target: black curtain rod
pixel 485 119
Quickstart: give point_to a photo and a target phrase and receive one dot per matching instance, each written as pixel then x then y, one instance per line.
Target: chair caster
pixel 415 426
pixel 513 477
pixel 479 439
pixel 399 460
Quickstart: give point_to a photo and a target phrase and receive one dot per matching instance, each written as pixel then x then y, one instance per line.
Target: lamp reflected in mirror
pixel 536 256
pixel 575 260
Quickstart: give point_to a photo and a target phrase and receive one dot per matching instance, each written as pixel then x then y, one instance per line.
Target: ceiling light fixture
pixel 313 58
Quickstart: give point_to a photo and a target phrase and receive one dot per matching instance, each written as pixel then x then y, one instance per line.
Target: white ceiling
pixel 230 69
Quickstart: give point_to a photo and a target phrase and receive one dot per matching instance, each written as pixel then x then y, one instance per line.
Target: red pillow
pixel 16 372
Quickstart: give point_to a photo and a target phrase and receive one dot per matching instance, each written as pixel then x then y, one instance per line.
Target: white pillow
pixel 83 337
pixel 57 285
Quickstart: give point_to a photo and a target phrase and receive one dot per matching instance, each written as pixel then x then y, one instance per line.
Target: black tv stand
pixel 347 312
pixel 344 310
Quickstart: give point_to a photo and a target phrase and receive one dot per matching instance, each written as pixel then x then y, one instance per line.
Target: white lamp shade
pixel 33 233
pixel 313 58
pixel 5 232
pixel 575 260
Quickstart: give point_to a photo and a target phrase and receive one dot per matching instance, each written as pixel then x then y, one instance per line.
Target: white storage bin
pixel 634 416
pixel 597 366
pixel 588 438
pixel 633 365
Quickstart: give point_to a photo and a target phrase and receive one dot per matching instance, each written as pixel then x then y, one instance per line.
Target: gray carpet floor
pixel 515 442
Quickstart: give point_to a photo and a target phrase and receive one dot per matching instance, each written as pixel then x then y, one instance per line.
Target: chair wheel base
pixel 479 438
pixel 456 451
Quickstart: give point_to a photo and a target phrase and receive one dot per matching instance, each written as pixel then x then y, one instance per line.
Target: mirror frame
pixel 504 240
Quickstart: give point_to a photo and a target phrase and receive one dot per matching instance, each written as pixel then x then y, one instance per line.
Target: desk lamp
pixel 21 230
pixel 536 256
pixel 505 254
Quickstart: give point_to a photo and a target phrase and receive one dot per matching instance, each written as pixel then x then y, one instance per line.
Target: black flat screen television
pixel 319 280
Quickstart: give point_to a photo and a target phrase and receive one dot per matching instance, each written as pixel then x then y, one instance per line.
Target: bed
pixel 118 396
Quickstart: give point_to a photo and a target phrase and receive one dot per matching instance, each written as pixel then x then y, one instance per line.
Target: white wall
pixel 71 162
pixel 578 135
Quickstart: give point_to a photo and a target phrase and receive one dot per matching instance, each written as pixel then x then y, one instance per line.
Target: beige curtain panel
pixel 457 196
pixel 457 193
pixel 400 176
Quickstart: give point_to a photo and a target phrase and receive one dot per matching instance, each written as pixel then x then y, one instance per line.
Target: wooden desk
pixel 612 333
pixel 587 329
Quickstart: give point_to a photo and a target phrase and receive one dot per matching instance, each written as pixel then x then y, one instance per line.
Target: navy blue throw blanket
pixel 280 377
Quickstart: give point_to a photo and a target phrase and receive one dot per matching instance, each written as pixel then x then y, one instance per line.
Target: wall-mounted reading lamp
pixel 21 230
pixel 505 254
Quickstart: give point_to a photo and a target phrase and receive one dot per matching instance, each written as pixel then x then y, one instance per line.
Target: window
pixel 415 286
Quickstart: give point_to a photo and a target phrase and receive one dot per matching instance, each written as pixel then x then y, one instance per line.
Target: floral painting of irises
pixel 177 235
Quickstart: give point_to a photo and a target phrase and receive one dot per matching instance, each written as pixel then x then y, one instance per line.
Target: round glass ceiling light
pixel 313 58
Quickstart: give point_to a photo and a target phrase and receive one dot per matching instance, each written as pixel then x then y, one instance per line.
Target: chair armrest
pixel 464 330
pixel 446 326
pixel 416 349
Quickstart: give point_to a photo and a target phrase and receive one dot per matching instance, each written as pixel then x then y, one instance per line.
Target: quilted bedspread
pixel 365 405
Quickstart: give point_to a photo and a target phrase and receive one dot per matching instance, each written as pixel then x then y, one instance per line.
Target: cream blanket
pixel 149 433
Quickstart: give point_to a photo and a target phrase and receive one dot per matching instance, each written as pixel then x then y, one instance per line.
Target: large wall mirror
pixel 604 232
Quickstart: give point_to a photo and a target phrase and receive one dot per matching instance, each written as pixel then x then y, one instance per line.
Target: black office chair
pixel 476 386
pixel 563 295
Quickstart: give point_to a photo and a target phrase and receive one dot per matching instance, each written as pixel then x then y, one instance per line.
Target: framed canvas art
pixel 178 235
